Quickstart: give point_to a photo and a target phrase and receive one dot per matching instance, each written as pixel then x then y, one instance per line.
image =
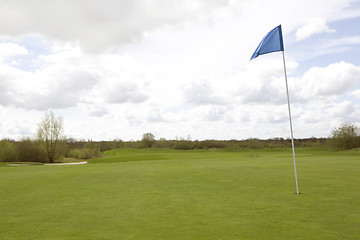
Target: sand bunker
pixel 72 163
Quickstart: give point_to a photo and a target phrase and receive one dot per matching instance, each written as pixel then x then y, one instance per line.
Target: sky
pixel 178 69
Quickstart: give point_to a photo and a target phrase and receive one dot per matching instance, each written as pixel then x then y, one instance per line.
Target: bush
pixel 8 151
pixel 148 140
pixel 31 151
pixel 85 153
pixel 254 143
pixel 184 145
pixel 206 144
pixel 80 153
pixel 346 136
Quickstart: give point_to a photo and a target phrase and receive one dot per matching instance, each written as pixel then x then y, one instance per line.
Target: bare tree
pixel 50 133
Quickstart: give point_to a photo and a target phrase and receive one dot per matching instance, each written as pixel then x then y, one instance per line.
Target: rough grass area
pixel 198 194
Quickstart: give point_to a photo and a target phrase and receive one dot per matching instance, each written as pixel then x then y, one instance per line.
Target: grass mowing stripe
pixel 195 195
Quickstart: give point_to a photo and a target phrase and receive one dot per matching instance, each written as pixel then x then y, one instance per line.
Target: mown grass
pixel 198 194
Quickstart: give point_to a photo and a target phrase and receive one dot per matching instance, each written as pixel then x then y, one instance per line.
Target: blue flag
pixel 272 42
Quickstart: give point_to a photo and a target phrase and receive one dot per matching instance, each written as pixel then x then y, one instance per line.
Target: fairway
pixel 197 194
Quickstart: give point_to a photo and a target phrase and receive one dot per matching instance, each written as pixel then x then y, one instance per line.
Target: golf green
pixel 197 194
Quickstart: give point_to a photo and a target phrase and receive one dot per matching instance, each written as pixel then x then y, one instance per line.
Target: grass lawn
pixel 199 194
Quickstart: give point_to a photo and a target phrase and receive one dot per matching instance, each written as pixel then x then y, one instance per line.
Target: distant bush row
pixel 28 150
pixel 51 146
pixel 252 143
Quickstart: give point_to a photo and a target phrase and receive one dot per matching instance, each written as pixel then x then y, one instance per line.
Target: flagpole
pixel 291 128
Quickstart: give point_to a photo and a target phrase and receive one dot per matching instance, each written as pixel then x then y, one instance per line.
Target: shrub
pixel 346 136
pixel 80 153
pixel 184 145
pixel 8 151
pixel 255 143
pixel 148 140
pixel 84 153
pixel 31 151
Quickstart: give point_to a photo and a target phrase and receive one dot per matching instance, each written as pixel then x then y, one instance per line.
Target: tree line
pixel 50 145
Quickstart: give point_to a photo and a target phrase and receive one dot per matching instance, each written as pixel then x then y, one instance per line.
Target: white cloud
pixel 23 128
pixel 57 91
pixel 215 113
pixel 356 93
pixel 44 89
pixel 313 26
pixel 105 25
pixel 155 115
pixel 125 92
pixel 265 114
pixel 263 82
pixel 335 45
pixel 341 109
pixel 265 93
pixel 5 95
pixel 178 69
pixel 10 84
pixel 202 94
pixel 99 25
pixel 12 49
pixel 324 82
pixel 343 41
pixel 312 116
pixel 99 112
pixel 133 119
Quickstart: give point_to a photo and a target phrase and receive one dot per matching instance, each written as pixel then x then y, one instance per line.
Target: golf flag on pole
pixel 272 42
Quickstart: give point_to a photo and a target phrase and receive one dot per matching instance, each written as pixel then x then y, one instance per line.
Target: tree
pixel 346 136
pixel 50 133
pixel 148 140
